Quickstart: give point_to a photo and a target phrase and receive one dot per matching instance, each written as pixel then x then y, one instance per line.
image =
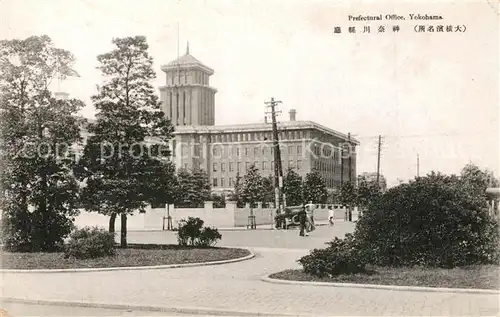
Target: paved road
pixel 237 286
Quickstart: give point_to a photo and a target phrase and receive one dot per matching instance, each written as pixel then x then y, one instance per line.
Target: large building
pixel 223 151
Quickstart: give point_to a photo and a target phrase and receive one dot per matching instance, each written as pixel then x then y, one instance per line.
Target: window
pixel 256 151
pixel 299 165
pixel 170 105
pixel 256 164
pixel 246 151
pixel 290 150
pixel 222 168
pixel 215 152
pixel 264 151
pixel 230 182
pixel 264 165
pixel 231 166
pixel 215 167
pixel 184 107
pixel 214 182
pixel 272 165
pixel 239 166
pixel 177 108
pixel 238 152
pixel 222 182
pixel 299 149
pixel 247 166
pixel 186 165
pixel 290 164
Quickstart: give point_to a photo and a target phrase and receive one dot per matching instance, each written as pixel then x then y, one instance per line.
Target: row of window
pixel 221 182
pixel 238 166
pixel 180 76
pixel 257 151
pixel 259 136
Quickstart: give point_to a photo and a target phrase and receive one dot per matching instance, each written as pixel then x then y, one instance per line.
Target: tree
pixel 253 187
pixel 292 187
pixel 38 192
pixel 476 181
pixel 368 190
pixel 118 163
pixel 193 189
pixel 236 194
pixel 433 221
pixel 315 188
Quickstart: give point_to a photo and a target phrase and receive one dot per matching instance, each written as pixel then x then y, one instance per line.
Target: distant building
pixel 224 151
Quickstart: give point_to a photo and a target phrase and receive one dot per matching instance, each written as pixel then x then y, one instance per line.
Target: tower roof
pixel 187 61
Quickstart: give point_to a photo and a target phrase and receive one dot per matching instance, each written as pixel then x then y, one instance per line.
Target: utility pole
pixel 278 171
pixel 418 166
pixel 378 158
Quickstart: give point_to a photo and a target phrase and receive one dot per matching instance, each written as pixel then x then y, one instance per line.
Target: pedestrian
pixel 309 219
pixel 331 215
pixel 302 220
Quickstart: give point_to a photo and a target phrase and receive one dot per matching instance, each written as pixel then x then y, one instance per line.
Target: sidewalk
pixel 237 287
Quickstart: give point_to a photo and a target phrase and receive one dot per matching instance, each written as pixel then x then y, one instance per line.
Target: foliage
pixel 342 256
pixel 236 194
pixel 219 201
pixel 90 243
pixel 120 167
pixel 348 194
pixel 193 188
pixel 367 192
pixel 292 187
pixel 254 188
pixel 432 221
pixel 39 194
pixel 191 232
pixel 314 188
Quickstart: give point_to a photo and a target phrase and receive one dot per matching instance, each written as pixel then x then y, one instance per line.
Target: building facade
pixel 227 151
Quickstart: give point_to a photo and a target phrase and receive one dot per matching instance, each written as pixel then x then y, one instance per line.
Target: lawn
pixel 481 277
pixel 135 255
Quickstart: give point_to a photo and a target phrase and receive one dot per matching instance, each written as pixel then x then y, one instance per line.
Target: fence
pixel 228 217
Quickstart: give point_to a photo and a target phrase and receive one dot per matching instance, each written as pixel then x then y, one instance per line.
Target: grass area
pixel 135 255
pixel 481 277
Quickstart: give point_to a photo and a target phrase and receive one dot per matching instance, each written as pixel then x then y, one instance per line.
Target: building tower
pixel 187 98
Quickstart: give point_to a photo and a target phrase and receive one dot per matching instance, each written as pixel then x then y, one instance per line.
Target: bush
pixel 341 257
pixel 191 232
pixel 90 243
pixel 24 231
pixel 432 221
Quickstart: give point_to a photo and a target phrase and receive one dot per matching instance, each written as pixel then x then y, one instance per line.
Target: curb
pixel 268 279
pixel 133 268
pixel 182 310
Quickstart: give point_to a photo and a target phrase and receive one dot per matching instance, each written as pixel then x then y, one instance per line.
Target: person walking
pixel 309 219
pixel 331 215
pixel 302 220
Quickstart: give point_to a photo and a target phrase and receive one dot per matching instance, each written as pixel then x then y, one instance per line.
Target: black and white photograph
pixel 249 158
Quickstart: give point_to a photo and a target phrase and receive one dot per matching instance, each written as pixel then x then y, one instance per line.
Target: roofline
pixel 164 87
pixel 167 67
pixel 261 127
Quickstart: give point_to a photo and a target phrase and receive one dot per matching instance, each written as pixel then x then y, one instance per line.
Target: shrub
pixel 191 232
pixel 24 231
pixel 90 243
pixel 432 221
pixel 341 257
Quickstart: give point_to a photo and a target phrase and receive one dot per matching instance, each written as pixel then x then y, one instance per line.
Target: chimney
pixel 292 113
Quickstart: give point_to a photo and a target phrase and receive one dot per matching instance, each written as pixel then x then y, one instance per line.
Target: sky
pixel 435 95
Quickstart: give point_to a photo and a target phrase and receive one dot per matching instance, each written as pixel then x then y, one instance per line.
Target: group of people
pixel 306 219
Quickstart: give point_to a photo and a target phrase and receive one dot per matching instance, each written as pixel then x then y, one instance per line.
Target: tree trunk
pixel 123 231
pixel 112 223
